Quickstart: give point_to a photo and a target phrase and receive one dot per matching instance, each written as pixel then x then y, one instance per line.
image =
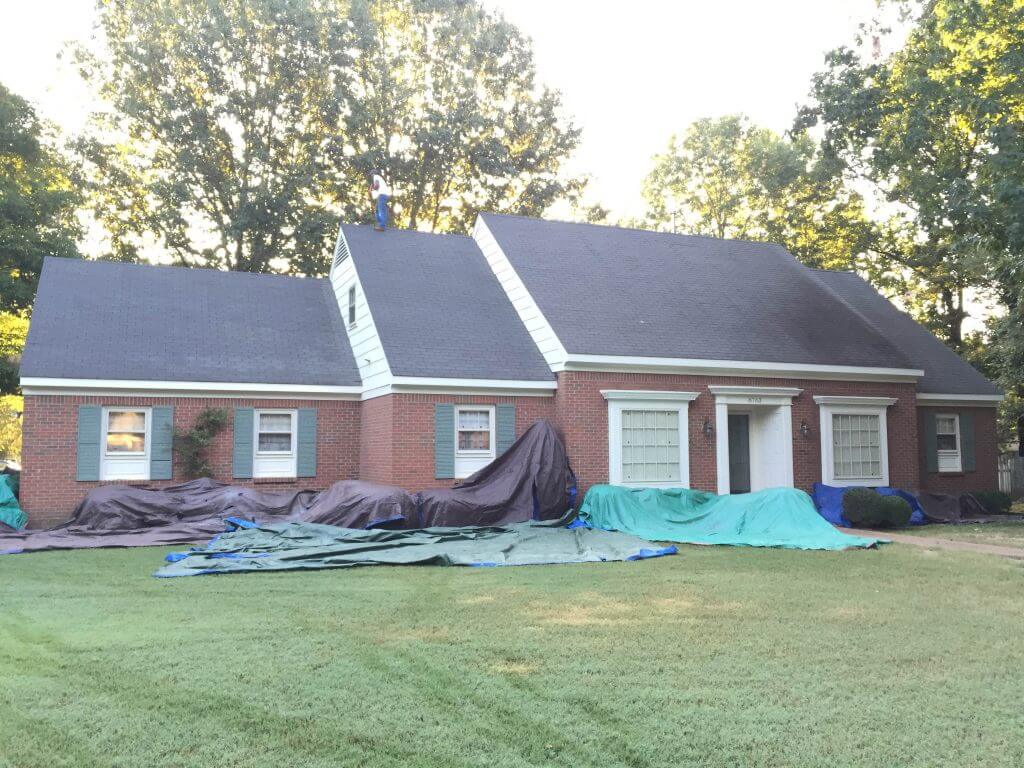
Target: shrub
pixel 191 444
pixel 994 502
pixel 866 508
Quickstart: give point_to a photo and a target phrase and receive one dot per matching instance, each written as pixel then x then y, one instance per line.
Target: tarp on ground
pixel 828 499
pixel 120 516
pixel 776 517
pixel 944 508
pixel 10 512
pixel 531 480
pixel 308 546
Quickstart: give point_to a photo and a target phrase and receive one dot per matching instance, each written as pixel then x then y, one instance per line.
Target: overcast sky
pixel 631 73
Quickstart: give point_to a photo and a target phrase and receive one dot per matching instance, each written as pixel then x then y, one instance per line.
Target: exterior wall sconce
pixel 805 430
pixel 709 430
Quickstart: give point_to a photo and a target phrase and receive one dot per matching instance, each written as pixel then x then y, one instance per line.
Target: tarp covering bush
pixel 777 517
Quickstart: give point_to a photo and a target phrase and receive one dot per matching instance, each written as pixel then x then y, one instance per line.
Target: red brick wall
pixel 49 491
pixel 581 413
pixel 986 455
pixel 398 434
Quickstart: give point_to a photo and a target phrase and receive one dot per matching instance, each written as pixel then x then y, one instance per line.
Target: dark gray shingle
pixel 945 372
pixel 616 291
pixel 439 309
pixel 106 320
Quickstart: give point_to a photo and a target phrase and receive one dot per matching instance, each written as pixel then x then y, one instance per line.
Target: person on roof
pixel 381 193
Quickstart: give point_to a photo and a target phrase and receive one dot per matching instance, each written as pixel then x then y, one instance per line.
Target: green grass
pixel 1002 534
pixel 717 657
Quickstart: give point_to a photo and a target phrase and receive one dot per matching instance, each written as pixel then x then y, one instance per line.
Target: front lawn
pixel 716 657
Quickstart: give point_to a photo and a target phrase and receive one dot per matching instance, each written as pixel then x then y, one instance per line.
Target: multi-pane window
pixel 474 429
pixel 126 432
pixel 856 446
pixel 650 446
pixel 275 433
pixel 947 442
pixel 352 305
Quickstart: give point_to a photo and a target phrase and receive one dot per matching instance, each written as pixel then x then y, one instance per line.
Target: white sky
pixel 631 75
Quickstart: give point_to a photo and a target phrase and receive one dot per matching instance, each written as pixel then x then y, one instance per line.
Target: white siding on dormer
pixel 539 328
pixel 362 335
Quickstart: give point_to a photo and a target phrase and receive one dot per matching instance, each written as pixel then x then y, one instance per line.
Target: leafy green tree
pixel 934 129
pixel 244 129
pixel 38 202
pixel 227 118
pixel 726 178
pixel 445 100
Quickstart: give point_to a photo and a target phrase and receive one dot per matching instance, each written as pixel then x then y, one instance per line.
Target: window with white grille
pixel 856 446
pixel 650 446
pixel 947 442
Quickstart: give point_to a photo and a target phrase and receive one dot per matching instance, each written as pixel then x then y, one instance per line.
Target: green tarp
pixel 299 546
pixel 10 511
pixel 777 517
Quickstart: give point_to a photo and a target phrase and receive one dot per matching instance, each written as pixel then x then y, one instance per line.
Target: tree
pixel 228 123
pixel 246 129
pixel 445 100
pixel 38 202
pixel 727 178
pixel 933 128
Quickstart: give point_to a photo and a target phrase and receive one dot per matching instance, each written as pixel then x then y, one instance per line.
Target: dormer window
pixel 352 307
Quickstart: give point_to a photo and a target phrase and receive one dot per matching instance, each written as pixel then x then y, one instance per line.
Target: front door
pixel 739 453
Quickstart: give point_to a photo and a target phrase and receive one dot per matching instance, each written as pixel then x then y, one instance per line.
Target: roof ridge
pixel 623 228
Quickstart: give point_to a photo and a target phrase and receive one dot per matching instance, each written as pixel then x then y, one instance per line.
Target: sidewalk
pixel 936 543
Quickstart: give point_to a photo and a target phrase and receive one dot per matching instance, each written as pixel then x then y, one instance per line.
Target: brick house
pixel 662 359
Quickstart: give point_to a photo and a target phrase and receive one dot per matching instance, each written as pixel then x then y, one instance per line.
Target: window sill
pixel 272 480
pixel 954 473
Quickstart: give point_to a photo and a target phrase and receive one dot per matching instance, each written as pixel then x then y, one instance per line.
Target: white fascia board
pixel 978 401
pixel 853 400
pixel 490 387
pixel 676 365
pixel 649 394
pixel 724 391
pixel 526 307
pixel 32 385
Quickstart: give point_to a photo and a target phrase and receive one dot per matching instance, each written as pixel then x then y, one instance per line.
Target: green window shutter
pixel 305 462
pixel 931 443
pixel 241 458
pixel 967 442
pixel 504 427
pixel 90 419
pixel 444 441
pixel 161 464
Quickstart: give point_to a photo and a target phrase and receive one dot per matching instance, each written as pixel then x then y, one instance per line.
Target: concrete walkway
pixel 928 542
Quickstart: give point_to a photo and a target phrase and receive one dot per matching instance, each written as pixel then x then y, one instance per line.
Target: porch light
pixel 709 430
pixel 805 429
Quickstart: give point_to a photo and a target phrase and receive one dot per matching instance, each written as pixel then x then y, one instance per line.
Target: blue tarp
pixel 828 499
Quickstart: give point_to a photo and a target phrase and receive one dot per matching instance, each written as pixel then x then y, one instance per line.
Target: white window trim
pixel 263 462
pixel 644 400
pixel 476 459
pixel 117 465
pixel 853 406
pixel 958 453
pixel 352 305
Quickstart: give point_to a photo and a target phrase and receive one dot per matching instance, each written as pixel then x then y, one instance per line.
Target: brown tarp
pixel 531 480
pixel 119 516
pixel 944 508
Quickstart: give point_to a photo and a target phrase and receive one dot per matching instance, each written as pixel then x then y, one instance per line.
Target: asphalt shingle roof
pixel 945 372
pixel 615 291
pixel 107 320
pixel 438 308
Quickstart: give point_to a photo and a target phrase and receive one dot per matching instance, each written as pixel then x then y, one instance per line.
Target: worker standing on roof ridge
pixel 381 193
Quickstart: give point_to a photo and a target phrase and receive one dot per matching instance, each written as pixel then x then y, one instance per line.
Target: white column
pixel 786 463
pixel 722 444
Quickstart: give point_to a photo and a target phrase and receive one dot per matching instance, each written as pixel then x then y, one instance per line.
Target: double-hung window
pixel 126 444
pixel 854 441
pixel 474 438
pixel 274 453
pixel 947 441
pixel 648 442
